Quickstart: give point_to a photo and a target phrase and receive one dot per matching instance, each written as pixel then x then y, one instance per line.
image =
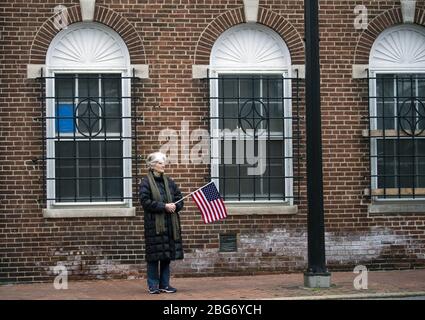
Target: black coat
pixel 160 246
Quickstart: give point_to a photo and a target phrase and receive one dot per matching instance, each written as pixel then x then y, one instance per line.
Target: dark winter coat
pixel 160 246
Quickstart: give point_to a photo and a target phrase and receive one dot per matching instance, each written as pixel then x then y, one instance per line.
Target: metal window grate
pixel 261 112
pixel 397 136
pixel 87 136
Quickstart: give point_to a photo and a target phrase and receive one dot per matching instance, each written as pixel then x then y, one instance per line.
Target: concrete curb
pixel 354 296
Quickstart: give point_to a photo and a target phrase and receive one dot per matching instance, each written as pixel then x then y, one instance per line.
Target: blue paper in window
pixel 65 118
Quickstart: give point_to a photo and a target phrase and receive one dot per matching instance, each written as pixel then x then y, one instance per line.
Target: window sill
pixel 260 209
pixel 88 212
pixel 388 207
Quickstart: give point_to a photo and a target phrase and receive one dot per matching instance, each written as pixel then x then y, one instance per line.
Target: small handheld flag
pixel 210 203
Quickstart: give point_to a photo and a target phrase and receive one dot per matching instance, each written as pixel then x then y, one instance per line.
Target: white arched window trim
pixel 88 48
pixel 397 50
pixel 251 48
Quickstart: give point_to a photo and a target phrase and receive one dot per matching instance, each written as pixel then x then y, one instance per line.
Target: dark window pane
pixel 236 179
pixel 401 163
pixel 65 171
pixel 64 87
pixel 229 111
pixel 228 87
pixel 88 86
pixel 94 171
pixel 111 93
pixel 276 112
pixel 420 163
pixel 386 113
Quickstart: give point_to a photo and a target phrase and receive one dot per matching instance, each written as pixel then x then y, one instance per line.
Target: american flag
pixel 210 203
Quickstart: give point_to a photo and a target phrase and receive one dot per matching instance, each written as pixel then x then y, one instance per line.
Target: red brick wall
pixel 171 36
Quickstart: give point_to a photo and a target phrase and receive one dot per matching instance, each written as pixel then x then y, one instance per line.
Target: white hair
pixel 155 157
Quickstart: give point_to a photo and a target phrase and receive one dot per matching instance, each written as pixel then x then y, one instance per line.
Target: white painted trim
pixel 141 71
pixel 408 8
pixel 87 10
pixel 373 146
pixel 298 70
pixel 34 70
pixel 261 209
pixel 252 69
pixel 50 143
pixel 200 71
pixel 89 212
pixel 359 71
pixel 88 69
pixel 127 143
pixel 214 125
pixel 396 208
pixel 251 10
pixel 288 143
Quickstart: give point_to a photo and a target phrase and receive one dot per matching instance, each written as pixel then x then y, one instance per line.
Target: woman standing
pixel 163 241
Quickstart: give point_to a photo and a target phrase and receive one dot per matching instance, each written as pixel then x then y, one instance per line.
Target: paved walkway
pixel 269 287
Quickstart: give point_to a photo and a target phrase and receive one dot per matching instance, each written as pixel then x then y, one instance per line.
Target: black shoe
pixel 168 289
pixel 154 291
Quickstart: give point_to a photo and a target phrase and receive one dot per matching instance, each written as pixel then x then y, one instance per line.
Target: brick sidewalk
pixel 276 286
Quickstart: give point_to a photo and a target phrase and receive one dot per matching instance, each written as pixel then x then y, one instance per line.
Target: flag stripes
pixel 210 203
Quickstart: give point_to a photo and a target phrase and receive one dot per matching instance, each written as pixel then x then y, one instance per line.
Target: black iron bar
pixel 413 119
pixel 384 141
pixel 221 114
pixel 103 160
pixel 75 87
pixel 43 133
pixel 268 136
pixel 297 81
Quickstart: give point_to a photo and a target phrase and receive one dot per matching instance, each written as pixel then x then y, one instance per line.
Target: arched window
pixel 397 113
pixel 251 115
pixel 88 128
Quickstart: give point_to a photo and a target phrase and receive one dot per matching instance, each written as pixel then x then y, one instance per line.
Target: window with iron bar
pixel 89 130
pixel 397 137
pixel 254 123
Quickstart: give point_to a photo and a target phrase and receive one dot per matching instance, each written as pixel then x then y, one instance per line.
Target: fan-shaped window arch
pixel 88 112
pixel 88 46
pixel 397 113
pixel 250 47
pixel 251 115
pixel 399 48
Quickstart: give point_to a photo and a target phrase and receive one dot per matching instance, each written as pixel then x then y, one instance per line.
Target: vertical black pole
pixel 316 275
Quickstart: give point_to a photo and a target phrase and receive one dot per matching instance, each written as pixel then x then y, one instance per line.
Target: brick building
pixel 87 92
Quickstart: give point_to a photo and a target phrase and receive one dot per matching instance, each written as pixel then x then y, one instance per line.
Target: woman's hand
pixel 170 207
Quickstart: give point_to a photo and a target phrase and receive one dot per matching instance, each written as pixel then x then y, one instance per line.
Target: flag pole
pixel 193 192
